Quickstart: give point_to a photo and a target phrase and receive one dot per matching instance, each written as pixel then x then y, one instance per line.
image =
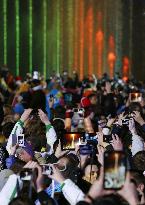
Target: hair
pixel 139 161
pixel 36 131
pixel 7 128
pixel 135 106
pixel 59 112
pixel 17 166
pixel 110 199
pixel 138 177
pixel 8 110
pixel 21 200
pixel 71 167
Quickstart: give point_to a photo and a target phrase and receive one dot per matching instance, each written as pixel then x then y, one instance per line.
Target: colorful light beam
pixel 44 36
pixel 17 37
pixel 30 35
pixel 5 30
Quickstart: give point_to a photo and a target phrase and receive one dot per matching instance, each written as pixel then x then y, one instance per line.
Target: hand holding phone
pixel 21 140
pixel 135 97
pixel 114 169
pixel 47 169
pixel 70 140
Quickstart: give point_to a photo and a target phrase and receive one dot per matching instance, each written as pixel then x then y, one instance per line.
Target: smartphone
pixel 46 169
pixel 70 140
pixel 20 140
pixel 91 137
pixel 135 97
pixel 14 139
pixel 125 121
pixel 26 174
pixel 107 138
pixel 36 75
pixel 114 169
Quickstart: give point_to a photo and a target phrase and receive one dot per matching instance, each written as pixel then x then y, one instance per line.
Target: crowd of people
pixel 35 116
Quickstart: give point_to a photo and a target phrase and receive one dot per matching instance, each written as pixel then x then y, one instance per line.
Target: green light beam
pixel 17 37
pixel 30 36
pixel 5 30
pixel 44 35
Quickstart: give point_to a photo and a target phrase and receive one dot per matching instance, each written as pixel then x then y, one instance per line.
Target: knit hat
pixel 28 148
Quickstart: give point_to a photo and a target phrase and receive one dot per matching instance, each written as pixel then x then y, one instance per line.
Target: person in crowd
pixel 41 165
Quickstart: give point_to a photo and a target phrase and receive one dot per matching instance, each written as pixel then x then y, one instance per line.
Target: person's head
pixel 111 199
pixel 135 106
pixel 25 153
pixel 21 201
pixel 139 180
pixel 139 161
pixel 17 166
pixel 7 128
pixel 60 112
pixel 93 98
pixel 71 164
pixel 7 109
pixel 91 173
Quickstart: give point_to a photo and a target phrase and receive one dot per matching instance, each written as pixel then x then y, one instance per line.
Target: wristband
pixel 62 185
pixel 21 123
pixel 48 127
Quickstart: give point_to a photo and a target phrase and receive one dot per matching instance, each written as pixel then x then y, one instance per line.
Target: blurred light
pixel 44 35
pixel 5 30
pixel 30 36
pixel 17 36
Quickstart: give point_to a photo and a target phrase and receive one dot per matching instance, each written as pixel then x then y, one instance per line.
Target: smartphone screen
pixel 114 169
pixel 20 140
pixel 91 137
pixel 46 169
pixel 70 140
pixel 26 174
pixel 14 139
pixel 135 97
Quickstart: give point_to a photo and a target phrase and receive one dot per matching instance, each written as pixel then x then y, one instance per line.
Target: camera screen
pixel 70 140
pixel 135 97
pixel 46 169
pixel 26 174
pixel 114 170
pixel 20 140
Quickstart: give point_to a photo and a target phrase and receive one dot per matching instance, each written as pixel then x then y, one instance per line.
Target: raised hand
pixel 25 114
pixel 129 191
pixel 59 152
pixel 100 138
pixel 43 117
pixel 97 188
pixel 56 175
pixel 117 143
pixel 100 154
pixel 137 117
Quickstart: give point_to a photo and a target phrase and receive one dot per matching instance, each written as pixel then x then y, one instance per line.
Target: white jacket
pixel 9 190
pixel 18 129
pixel 137 144
pixel 72 192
